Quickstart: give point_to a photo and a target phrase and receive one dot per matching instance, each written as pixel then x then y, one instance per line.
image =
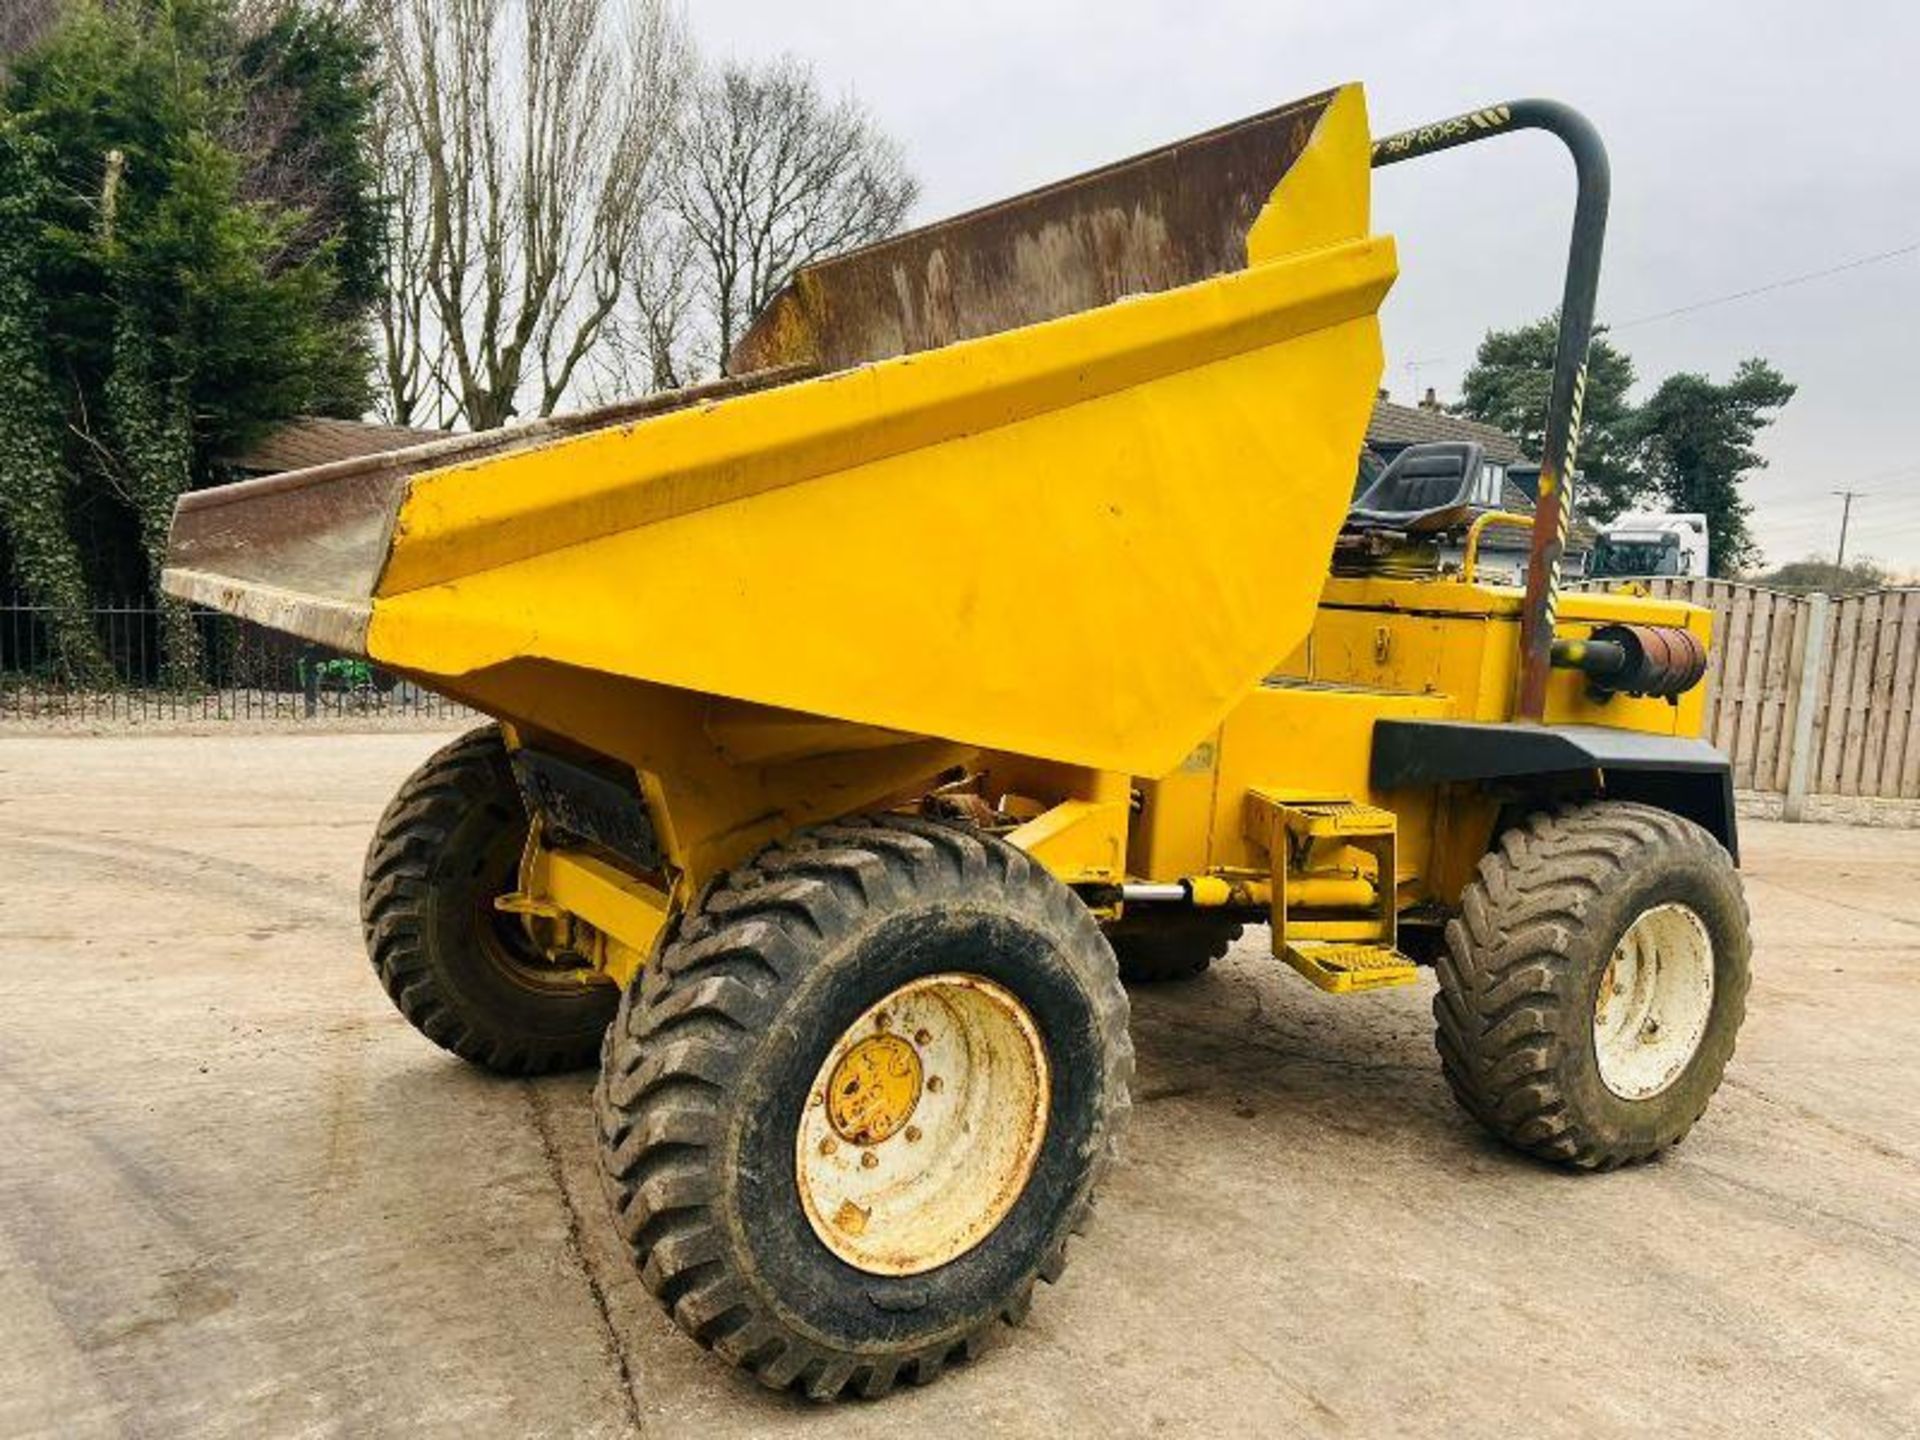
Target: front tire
pixel 855 1105
pixel 464 974
pixel 1594 983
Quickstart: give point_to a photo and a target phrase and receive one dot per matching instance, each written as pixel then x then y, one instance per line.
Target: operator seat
pixel 1425 488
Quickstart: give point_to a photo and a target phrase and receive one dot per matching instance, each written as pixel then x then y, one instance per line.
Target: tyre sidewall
pixel 815 1291
pixel 1701 880
pixel 480 862
pixel 479 825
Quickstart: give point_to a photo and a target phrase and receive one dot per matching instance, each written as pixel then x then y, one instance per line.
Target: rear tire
pixel 1594 983
pixel 464 974
pixel 720 1078
pixel 1153 951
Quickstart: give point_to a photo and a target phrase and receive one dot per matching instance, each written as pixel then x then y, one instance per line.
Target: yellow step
pixel 1334 819
pixel 1345 969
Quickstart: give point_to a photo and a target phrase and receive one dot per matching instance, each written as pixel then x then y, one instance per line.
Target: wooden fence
pixel 1822 686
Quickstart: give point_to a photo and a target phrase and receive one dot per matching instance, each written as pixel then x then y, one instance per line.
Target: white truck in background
pixel 1640 545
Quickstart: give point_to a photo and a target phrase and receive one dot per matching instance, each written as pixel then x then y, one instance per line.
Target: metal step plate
pixel 1346 969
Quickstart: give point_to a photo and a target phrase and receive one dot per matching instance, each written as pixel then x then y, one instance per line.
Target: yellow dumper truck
pixel 1003 628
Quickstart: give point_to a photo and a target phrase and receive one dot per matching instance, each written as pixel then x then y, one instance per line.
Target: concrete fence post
pixel 1805 683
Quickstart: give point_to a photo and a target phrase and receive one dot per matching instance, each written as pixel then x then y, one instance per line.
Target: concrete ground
pixel 239 1197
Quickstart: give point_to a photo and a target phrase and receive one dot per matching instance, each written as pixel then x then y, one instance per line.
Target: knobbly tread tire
pixel 677 1075
pixel 1180 948
pixel 1538 923
pixel 451 815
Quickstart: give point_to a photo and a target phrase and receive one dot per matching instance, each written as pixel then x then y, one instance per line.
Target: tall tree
pixel 301 127
pixel 1697 440
pixel 35 483
pixel 186 307
pixel 1509 386
pixel 413 386
pixel 525 143
pixel 769 176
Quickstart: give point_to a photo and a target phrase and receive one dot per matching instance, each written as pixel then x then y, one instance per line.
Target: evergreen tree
pixel 1697 442
pixel 1510 384
pixel 34 480
pixel 1687 449
pixel 203 251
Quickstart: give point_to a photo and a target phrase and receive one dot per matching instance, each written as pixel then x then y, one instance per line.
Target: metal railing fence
pixel 237 671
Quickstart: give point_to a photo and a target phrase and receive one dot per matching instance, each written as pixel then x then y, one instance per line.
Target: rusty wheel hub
pixel 923 1125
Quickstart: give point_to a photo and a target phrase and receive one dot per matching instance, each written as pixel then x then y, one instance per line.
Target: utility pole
pixel 1847 497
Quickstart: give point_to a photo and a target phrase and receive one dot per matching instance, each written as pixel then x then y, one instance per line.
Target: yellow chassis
pixel 722 778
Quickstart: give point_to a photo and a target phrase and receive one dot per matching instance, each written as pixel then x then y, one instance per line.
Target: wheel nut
pixel 868 1160
pixel 923 1037
pixel 827 1147
pixel 881 1021
pixel 935 1083
pixel 913 1133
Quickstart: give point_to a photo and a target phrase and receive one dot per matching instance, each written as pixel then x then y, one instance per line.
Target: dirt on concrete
pixel 239 1196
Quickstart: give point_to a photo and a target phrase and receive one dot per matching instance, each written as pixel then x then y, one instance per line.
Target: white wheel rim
pixel 1654 1001
pixel 923 1124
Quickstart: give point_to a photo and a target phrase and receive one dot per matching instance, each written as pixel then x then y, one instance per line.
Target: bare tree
pixel 770 175
pixel 412 387
pixel 645 345
pixel 525 145
pixel 23 23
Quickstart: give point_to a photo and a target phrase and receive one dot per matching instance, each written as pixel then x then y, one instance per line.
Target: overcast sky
pixel 1751 141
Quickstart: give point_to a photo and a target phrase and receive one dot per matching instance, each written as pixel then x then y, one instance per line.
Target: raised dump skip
pixel 1083 517
pixel 1170 217
pixel 302 551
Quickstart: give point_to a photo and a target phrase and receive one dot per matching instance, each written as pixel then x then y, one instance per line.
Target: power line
pixel 1893 474
pixel 1897 504
pixel 1859 263
pixel 1790 505
pixel 1821 537
pixel 1818 512
pixel 1820 533
pixel 1847 496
